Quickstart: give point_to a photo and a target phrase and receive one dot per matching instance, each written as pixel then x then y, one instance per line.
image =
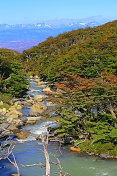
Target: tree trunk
pixel 45 146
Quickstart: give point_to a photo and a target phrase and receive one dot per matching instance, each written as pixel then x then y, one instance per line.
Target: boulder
pixel 115 157
pixel 36 77
pixel 34 110
pixel 1 103
pixel 17 122
pixel 105 156
pixel 51 104
pixel 18 107
pixel 4 111
pixel 13 113
pixel 40 83
pixel 13 128
pixel 16 103
pixel 12 108
pixel 22 134
pixel 37 108
pixel 47 89
pixel 12 116
pixel 5 134
pixel 30 76
pixel 37 80
pixel 14 124
pixel 32 120
pixel 38 98
pixel 4 125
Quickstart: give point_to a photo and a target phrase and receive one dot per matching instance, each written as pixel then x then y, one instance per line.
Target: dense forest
pixel 13 83
pixel 83 63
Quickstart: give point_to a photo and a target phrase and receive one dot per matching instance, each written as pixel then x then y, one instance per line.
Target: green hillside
pixel 12 82
pixel 83 52
pixel 84 64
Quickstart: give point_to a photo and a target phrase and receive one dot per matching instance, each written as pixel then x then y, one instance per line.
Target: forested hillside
pixel 12 81
pixel 83 52
pixel 84 64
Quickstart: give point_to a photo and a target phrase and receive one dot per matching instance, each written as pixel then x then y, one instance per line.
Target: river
pixel 30 151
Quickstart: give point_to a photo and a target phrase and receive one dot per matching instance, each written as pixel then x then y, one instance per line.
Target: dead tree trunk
pixel 44 138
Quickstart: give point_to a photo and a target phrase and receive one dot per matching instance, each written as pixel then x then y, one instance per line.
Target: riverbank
pixel 37 106
pixel 27 110
pixel 32 125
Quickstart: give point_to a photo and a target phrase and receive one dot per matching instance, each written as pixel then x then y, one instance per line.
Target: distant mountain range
pixel 23 36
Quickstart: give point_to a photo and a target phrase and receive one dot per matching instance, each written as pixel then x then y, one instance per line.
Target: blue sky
pixel 33 11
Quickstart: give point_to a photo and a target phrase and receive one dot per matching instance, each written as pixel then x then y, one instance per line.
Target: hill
pixel 83 52
pixel 13 82
pixel 83 63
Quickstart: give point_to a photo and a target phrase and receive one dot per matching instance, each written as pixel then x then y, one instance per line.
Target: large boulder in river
pixel 47 90
pixel 22 134
pixel 32 120
pixel 38 98
pixel 40 83
pixel 37 108
pixel 34 110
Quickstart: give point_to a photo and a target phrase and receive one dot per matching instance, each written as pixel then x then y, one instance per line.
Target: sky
pixel 34 11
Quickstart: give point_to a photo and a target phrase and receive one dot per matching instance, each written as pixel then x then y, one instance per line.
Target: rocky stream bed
pixel 22 124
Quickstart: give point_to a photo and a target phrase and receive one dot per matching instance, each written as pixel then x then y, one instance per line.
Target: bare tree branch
pixel 44 138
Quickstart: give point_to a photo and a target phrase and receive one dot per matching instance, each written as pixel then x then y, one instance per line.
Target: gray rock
pixel 105 156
